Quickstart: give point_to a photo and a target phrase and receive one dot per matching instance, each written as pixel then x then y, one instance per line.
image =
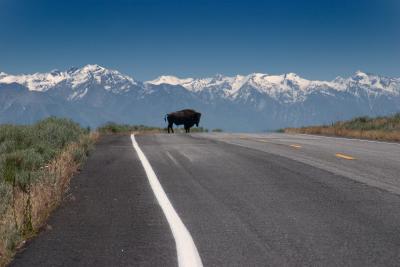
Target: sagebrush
pixel 36 163
pixel 115 128
pixel 380 128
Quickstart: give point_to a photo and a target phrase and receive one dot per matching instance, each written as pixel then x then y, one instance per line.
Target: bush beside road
pixel 380 128
pixel 36 164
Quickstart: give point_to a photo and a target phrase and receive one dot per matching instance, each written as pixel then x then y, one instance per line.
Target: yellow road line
pixel 296 146
pixel 343 156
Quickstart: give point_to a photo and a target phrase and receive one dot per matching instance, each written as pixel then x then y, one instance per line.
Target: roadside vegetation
pixel 36 164
pixel 115 128
pixel 195 130
pixel 385 128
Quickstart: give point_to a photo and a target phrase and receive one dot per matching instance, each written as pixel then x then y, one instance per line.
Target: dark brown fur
pixel 187 117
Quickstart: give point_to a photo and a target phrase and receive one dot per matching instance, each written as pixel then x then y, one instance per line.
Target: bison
pixel 187 117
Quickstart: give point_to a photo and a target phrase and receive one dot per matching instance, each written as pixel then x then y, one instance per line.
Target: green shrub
pixel 5 196
pixel 198 130
pixel 25 153
pixel 79 154
pixel 387 123
pixel 379 128
pixel 24 149
pixel 112 128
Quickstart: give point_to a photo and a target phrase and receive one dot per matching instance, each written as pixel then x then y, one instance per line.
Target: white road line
pixel 172 158
pixel 188 256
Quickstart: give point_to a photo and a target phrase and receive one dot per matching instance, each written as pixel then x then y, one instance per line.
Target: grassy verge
pixel 380 128
pixel 114 128
pixel 36 164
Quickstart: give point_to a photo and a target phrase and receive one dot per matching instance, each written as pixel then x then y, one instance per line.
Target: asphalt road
pixel 246 200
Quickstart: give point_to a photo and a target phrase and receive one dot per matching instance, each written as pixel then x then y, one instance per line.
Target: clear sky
pixel 318 39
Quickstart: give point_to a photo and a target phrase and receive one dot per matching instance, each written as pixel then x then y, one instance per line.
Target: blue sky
pixel 147 38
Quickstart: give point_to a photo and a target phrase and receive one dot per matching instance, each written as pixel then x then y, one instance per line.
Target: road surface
pixel 245 200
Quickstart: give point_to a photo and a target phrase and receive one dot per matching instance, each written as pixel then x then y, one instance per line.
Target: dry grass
pixel 380 128
pixel 30 207
pixel 124 129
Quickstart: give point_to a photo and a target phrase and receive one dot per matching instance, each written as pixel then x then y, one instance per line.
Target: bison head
pixel 197 116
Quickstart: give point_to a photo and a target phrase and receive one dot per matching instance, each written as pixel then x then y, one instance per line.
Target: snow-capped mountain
pixel 78 80
pixel 288 88
pixel 93 95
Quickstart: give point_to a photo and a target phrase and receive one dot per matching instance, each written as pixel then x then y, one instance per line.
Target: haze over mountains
pixel 93 95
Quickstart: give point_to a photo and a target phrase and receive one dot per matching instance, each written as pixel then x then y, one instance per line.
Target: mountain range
pixel 93 95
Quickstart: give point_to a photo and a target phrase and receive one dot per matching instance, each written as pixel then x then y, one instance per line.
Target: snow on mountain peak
pixel 111 80
pixel 360 73
pixel 55 72
pixel 374 83
pixel 287 88
pixel 72 70
pixel 35 82
pixel 168 79
pixel 266 82
pixel 92 68
pixel 360 76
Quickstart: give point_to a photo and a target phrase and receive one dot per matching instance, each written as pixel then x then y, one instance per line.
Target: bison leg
pixel 170 127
